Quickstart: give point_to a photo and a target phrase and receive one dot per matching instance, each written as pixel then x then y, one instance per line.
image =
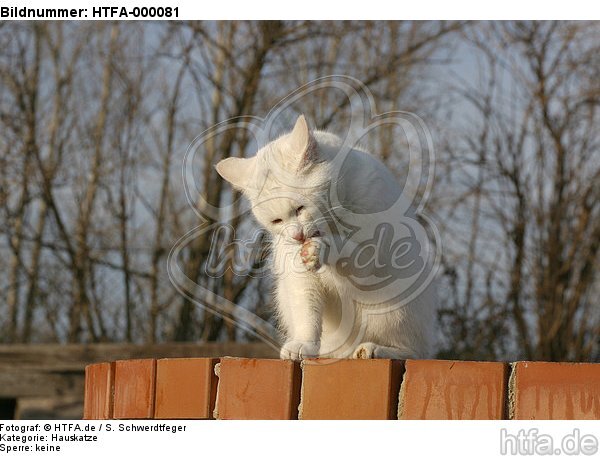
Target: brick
pixel 99 382
pixel 257 389
pixel 564 391
pixel 442 390
pixel 185 388
pixel 134 388
pixel 350 389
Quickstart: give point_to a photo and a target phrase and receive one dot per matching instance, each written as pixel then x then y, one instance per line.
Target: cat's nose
pixel 298 236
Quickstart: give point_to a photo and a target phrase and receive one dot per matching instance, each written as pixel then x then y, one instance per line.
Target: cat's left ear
pixel 303 143
pixel 236 171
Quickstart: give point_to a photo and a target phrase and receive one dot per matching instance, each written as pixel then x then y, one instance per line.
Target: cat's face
pixel 293 218
pixel 283 183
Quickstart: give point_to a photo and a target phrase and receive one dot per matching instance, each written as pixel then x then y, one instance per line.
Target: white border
pixel 349 9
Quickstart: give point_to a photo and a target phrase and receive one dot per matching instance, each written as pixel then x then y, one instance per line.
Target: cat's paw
pixel 310 254
pixel 365 351
pixel 369 350
pixel 297 350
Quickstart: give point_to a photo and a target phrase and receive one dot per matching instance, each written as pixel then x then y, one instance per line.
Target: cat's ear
pixel 303 143
pixel 236 171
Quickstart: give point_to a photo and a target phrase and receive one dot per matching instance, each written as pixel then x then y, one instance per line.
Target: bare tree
pixel 526 285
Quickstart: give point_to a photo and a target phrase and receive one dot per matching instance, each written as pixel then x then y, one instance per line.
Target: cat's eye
pixel 300 209
pixel 276 221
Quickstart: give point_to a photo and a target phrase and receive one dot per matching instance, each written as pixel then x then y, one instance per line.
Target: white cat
pixel 340 266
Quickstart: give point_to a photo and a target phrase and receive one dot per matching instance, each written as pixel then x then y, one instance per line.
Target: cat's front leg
pixel 300 307
pixel 301 310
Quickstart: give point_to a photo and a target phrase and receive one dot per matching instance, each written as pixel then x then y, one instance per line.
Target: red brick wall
pixel 239 388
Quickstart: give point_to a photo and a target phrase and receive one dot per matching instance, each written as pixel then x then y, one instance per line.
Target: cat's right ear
pixel 303 143
pixel 236 171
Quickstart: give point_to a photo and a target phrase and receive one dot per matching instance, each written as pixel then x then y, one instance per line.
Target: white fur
pixel 319 312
